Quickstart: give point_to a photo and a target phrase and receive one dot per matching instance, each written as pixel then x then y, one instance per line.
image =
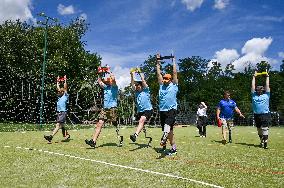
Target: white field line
pixel 121 166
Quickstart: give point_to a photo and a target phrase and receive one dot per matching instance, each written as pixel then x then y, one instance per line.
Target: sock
pixel 135 134
pixel 174 147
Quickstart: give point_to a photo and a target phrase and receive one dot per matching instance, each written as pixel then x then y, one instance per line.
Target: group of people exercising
pixel 168 88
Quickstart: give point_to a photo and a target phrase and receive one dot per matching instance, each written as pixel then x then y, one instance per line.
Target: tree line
pixel 21 57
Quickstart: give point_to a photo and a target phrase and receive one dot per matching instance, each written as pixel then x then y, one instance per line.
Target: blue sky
pixel 126 32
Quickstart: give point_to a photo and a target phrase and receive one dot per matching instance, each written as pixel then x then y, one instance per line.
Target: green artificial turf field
pixel 27 160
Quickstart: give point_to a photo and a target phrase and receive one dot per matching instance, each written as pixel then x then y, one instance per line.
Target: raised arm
pixel 65 83
pixel 175 79
pixel 267 88
pixel 144 84
pixel 100 82
pixel 158 67
pixel 132 80
pixel 58 84
pixel 253 82
pixel 113 79
pixel 203 103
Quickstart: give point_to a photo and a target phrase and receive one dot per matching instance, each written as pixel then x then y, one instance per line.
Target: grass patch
pixel 240 164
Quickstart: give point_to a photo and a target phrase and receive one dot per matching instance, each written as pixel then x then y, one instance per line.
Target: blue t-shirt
pixel 227 108
pixel 260 104
pixel 143 100
pixel 168 97
pixel 110 96
pixel 62 102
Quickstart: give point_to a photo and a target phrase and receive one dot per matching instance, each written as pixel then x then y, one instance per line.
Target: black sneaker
pixel 91 143
pixel 172 152
pixel 48 138
pixel 230 141
pixel 224 142
pixel 133 138
pixel 261 145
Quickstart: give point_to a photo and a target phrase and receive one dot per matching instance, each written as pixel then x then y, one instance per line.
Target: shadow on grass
pixel 107 144
pixel 103 145
pixel 140 146
pixel 249 145
pixel 162 152
pixel 217 141
pixel 66 140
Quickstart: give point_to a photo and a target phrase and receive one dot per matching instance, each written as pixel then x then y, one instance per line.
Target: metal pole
pixel 43 74
pixel 47 18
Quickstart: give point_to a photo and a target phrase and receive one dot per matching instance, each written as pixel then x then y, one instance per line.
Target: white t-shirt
pixel 201 111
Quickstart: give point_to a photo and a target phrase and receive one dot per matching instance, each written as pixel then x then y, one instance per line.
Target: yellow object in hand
pixel 261 73
pixel 135 70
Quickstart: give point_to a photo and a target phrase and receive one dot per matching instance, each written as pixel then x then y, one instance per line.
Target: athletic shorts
pixel 108 114
pixel 262 120
pixel 168 117
pixel 227 123
pixel 146 113
pixel 61 117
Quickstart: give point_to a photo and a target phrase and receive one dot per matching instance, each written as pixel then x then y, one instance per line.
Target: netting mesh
pixel 20 102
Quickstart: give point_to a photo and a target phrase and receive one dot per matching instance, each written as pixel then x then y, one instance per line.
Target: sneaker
pixel 133 138
pixel 230 141
pixel 67 137
pixel 224 142
pixel 48 138
pixel 91 143
pixel 261 145
pixel 172 152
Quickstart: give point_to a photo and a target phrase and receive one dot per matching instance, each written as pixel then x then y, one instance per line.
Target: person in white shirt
pixel 201 119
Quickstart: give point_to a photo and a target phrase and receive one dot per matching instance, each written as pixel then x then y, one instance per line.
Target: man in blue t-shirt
pixel 225 113
pixel 143 103
pixel 109 107
pixel 167 104
pixel 61 108
pixel 260 104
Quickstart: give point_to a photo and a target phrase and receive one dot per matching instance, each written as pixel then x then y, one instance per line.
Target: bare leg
pixel 140 125
pixel 224 133
pixel 57 127
pixel 98 130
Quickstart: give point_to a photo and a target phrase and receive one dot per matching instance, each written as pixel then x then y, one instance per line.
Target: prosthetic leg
pixel 150 138
pixel 230 135
pixel 167 129
pixel 265 136
pixel 120 141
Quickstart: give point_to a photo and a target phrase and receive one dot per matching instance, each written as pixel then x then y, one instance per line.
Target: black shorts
pixel 202 121
pixel 146 113
pixel 262 120
pixel 168 117
pixel 61 117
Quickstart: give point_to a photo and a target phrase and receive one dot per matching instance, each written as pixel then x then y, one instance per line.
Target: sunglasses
pixel 165 78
